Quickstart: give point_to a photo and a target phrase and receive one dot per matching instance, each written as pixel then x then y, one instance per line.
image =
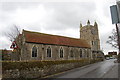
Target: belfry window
pixel 34 51
pixel 80 53
pixel 48 52
pixel 61 53
pixel 71 53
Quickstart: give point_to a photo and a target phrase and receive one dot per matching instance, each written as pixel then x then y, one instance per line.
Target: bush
pixel 22 65
pixel 6 65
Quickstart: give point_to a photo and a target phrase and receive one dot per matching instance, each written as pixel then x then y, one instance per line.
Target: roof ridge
pixel 38 37
pixel 53 35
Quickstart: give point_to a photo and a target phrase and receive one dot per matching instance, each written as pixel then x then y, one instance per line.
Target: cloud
pixel 49 16
pixel 68 15
pixel 12 6
pixel 6 42
pixel 59 18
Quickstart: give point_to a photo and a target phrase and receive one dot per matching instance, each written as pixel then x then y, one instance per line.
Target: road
pixel 0 70
pixel 104 69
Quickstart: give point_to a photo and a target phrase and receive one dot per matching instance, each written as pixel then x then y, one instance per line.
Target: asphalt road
pixel 104 69
pixel 0 70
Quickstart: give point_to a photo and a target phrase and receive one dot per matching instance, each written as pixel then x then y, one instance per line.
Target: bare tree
pixel 13 33
pixel 112 40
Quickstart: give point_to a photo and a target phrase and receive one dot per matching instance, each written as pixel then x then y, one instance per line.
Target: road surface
pixel 0 70
pixel 104 69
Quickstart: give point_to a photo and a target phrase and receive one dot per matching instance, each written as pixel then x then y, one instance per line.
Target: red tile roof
pixel 36 37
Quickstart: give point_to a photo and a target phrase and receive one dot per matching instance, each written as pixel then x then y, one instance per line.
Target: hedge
pixel 22 65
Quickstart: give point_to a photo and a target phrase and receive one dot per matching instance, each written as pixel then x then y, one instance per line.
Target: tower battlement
pixel 91 34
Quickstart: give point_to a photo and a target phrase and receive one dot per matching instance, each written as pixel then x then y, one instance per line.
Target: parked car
pixel 111 57
pixel 107 58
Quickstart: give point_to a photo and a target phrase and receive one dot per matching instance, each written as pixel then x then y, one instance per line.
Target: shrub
pixel 22 65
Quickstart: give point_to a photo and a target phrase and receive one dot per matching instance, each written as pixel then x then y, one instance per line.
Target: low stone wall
pixel 38 72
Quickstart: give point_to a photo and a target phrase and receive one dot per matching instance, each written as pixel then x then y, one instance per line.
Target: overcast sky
pixel 60 18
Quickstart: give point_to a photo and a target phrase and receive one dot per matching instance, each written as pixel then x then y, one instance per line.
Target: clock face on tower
pixel 93 31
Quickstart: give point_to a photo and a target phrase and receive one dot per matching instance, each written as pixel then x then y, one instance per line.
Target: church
pixel 41 46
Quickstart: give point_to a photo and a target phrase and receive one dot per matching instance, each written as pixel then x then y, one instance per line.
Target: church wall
pixel 26 52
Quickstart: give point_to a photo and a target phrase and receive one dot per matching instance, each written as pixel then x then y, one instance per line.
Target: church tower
pixel 91 34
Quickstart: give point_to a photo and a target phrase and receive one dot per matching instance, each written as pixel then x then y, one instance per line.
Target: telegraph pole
pixel 115 20
pixel 117 29
pixel 118 41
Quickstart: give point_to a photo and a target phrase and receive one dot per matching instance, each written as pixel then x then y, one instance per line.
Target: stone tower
pixel 91 34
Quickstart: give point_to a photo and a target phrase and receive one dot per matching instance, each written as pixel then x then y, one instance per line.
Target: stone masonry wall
pixel 39 72
pixel 42 52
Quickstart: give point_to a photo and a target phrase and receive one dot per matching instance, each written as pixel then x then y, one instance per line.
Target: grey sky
pixel 59 18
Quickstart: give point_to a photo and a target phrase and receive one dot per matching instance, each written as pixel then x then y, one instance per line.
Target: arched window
pixel 87 53
pixel 71 53
pixel 92 42
pixel 80 53
pixel 34 51
pixel 61 53
pixel 48 52
pixel 84 53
